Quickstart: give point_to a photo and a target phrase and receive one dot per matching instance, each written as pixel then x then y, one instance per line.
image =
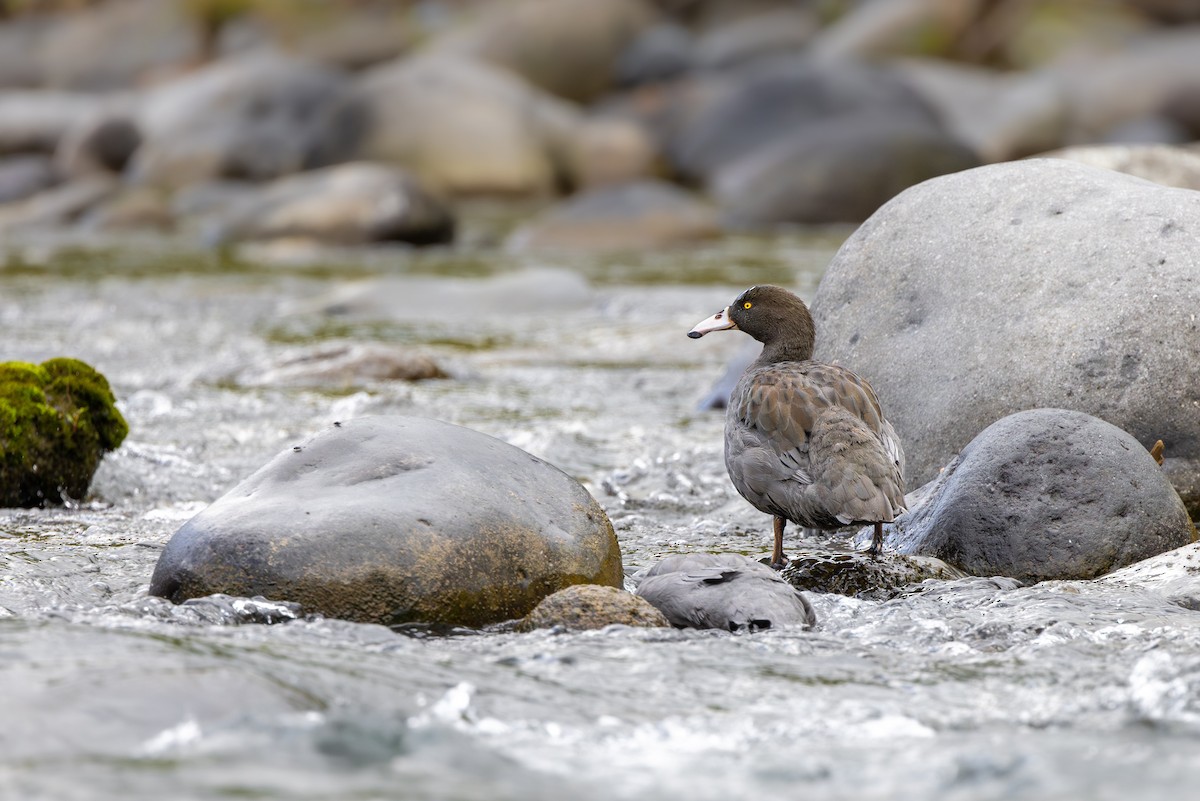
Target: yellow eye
pixel 747 305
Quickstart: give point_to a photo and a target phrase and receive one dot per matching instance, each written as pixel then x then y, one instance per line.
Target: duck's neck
pixel 791 341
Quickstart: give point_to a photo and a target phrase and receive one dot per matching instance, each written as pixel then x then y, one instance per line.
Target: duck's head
pixel 772 315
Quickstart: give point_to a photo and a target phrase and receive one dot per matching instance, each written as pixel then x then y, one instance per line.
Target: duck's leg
pixel 876 541
pixel 778 560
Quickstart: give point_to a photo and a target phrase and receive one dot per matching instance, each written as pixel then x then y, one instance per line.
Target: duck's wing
pixel 774 413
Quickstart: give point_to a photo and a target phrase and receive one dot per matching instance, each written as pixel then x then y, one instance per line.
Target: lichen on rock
pixel 57 420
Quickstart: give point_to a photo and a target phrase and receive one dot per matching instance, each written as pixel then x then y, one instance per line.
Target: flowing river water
pixel 972 689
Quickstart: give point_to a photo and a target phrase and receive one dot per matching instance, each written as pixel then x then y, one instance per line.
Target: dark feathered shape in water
pixel 805 441
pixel 723 591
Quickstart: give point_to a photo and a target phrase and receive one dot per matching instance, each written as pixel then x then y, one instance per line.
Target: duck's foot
pixel 779 563
pixel 876 549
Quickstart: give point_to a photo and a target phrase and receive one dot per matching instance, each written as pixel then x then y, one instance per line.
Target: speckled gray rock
pixel 1040 283
pixel 583 607
pixel 1045 494
pixel 723 591
pixel 394 520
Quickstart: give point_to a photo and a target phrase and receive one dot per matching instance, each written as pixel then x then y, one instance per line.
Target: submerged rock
pixel 591 606
pixel 396 520
pixel 341 367
pixel 723 591
pixel 1039 283
pixel 860 575
pixel 57 420
pixel 1046 494
pixel 1174 575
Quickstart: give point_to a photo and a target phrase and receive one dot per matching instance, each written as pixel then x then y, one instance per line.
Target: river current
pixel 972 689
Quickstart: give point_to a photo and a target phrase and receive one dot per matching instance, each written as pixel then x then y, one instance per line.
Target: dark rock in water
pixel 637 215
pixel 860 575
pixel 395 520
pixel 1075 288
pixel 22 176
pixel 1046 494
pixel 723 591
pixel 590 606
pixel 349 204
pixel 57 420
pixel 777 100
pixel 840 170
pixel 255 117
pixel 718 396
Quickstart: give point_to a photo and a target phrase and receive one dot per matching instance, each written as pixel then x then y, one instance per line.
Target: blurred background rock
pixel 672 119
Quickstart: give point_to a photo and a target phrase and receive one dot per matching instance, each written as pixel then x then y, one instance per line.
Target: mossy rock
pixel 857 574
pixel 57 420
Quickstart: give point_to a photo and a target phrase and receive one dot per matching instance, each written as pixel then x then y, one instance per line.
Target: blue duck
pixel 723 591
pixel 805 441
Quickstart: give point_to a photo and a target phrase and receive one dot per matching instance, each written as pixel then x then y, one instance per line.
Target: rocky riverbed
pixel 971 687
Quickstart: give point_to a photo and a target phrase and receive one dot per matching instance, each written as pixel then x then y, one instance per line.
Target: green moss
pixel 57 420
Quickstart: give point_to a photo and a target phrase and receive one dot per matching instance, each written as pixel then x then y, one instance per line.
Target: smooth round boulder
pixel 396 520
pixel 1046 494
pixel 584 607
pixel 1038 283
pixel 723 591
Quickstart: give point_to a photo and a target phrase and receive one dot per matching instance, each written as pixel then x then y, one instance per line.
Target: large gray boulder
pixel 1040 283
pixel 1046 494
pixel 394 520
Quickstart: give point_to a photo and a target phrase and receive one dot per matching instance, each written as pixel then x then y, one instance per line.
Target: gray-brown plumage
pixel 805 441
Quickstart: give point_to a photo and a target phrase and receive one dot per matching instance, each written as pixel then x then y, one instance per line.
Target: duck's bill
pixel 720 321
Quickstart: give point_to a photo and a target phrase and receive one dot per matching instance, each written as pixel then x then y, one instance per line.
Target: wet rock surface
pixel 1058 297
pixel 723 591
pixel 857 574
pixel 584 607
pixel 1046 494
pixel 396 520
